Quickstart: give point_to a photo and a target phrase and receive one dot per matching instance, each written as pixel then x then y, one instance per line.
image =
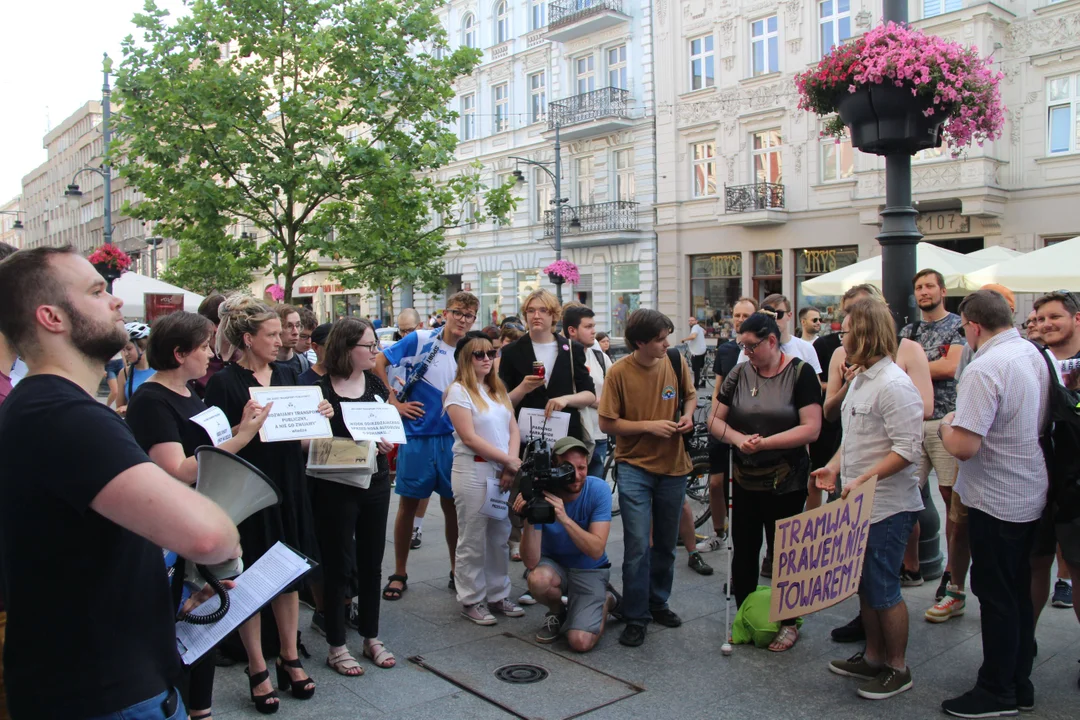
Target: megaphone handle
pixel 219 589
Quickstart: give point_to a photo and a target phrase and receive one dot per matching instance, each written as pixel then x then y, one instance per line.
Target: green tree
pixel 318 125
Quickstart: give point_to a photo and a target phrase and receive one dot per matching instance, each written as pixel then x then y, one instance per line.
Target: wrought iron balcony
pixel 757 196
pixel 598 217
pixel 572 19
pixel 608 103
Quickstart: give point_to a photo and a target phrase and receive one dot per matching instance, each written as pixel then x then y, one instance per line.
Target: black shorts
pixel 719 455
pixel 1049 535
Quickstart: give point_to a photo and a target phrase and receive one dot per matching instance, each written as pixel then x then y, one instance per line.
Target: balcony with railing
pixel 571 19
pixel 754 204
pixel 613 219
pixel 599 112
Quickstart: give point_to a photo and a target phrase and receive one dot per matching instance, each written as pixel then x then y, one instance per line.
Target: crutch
pixel 726 648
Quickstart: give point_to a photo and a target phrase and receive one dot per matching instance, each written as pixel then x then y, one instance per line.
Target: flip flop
pixel 391 593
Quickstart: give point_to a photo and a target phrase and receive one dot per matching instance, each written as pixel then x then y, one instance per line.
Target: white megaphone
pixel 242 490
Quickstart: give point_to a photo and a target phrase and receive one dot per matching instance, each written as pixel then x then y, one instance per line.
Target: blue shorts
pixel 885 546
pixel 113 368
pixel 423 467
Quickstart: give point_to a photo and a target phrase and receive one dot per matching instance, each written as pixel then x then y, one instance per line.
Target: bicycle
pixel 707 377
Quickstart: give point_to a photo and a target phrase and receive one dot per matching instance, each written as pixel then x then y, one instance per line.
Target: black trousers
pixel 1001 579
pixel 348 517
pixel 697 364
pixel 751 512
pixel 197 683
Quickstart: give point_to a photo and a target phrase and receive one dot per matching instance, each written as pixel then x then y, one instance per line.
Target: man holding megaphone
pixel 81 504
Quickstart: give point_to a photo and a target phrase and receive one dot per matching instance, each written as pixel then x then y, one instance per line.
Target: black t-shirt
pixel 158 415
pixel 298 363
pixel 825 346
pixel 373 388
pixel 80 590
pixel 727 357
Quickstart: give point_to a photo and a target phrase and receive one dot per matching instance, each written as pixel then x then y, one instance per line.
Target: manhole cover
pixel 521 673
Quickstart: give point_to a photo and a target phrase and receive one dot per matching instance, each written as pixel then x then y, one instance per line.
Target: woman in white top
pixel 485 449
pixel 882 418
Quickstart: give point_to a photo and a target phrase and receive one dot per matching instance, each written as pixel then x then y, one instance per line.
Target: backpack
pixel 1059 444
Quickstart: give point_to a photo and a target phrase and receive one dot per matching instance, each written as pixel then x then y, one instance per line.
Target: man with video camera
pixel 566 557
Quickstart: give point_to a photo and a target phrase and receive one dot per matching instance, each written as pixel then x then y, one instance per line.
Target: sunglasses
pixel 489 354
pixel 778 314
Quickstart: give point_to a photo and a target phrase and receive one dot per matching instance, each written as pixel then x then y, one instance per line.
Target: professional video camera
pixel 537 476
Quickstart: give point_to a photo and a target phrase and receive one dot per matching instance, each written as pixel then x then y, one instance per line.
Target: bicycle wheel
pixel 612 479
pixel 697 493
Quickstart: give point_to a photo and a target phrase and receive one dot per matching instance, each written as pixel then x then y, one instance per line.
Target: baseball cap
pixel 319 334
pixel 566 444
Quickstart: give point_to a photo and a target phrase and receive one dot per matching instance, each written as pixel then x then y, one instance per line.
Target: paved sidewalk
pixel 680 672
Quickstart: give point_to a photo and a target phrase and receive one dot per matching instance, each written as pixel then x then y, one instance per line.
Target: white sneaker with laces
pixel 506 607
pixel 478 613
pixel 710 544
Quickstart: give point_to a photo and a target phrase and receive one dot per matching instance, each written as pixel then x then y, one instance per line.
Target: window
pixel 623 161
pixel 927 154
pixel 537 15
pixel 527 282
pixel 502 23
pixel 545 191
pixel 704 169
pixel 468 31
pixel 537 97
pixel 468 116
pixel 625 286
pixel 585 72
pixel 837 159
pixel 490 297
pixel 1063 100
pixel 768 167
pixel 702 63
pixel 616 67
pixel 500 100
pixel 583 168
pixel 764 43
pixel 834 23
pixel 470 213
pixel 715 286
pixel 939 7
pixel 818 261
pixel 768 273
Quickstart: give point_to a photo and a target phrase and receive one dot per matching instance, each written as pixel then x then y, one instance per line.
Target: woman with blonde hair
pixel 882 417
pixel 485 452
pixel 255 330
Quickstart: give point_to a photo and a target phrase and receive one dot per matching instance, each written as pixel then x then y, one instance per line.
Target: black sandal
pixel 262 702
pixel 390 593
pixel 300 689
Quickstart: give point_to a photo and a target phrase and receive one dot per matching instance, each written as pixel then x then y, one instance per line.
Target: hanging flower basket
pixel 897 90
pixel 111 257
pixel 563 271
pixel 276 292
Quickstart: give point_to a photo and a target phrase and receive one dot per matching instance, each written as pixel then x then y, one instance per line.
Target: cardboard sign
pixel 818 555
pixel 160 304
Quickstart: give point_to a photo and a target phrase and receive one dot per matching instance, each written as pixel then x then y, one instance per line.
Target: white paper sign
pixel 373 420
pixel 295 415
pixel 216 425
pixel 496 502
pixel 532 425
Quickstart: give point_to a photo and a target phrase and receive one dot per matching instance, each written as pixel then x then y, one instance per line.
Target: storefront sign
pixel 157 305
pixel 943 223
pixel 312 289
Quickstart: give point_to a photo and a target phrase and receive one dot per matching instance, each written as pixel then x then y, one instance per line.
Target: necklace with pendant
pixel 754 390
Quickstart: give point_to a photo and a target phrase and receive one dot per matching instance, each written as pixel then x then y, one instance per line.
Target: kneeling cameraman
pixel 567 557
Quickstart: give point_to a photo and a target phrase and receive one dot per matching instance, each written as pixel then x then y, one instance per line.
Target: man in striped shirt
pixel 1001 407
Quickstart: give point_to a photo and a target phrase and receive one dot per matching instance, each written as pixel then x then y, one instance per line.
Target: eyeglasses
pixel 372 348
pixel 538 311
pixel 841 333
pixel 468 317
pixel 305 336
pixel 749 349
pixel 489 354
pixel 293 326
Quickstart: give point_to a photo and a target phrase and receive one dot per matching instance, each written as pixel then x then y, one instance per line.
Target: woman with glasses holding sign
pixel 350 518
pixel 882 418
pixel 768 410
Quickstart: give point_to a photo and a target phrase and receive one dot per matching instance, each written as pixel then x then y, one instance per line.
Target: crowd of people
pixel 794 422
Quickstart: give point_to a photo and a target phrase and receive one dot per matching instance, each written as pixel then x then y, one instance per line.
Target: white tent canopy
pixel 1056 267
pixel 952 265
pixel 131 286
pixel 995 254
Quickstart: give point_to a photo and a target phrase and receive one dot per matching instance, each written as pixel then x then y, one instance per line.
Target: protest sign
pixel 372 421
pixel 818 555
pixel 532 424
pixel 295 414
pixel 216 425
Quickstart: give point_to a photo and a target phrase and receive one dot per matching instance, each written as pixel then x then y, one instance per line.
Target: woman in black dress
pixel 160 415
pixel 351 519
pixel 255 330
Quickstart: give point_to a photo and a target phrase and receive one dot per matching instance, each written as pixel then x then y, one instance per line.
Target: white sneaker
pixel 527 599
pixel 506 607
pixel 478 613
pixel 710 544
pixel 515 551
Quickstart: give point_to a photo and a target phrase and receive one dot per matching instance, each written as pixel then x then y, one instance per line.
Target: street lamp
pixel 559 200
pixel 17 226
pixel 153 242
pixel 73 194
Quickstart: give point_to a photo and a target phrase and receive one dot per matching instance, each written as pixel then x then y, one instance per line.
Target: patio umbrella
pixel 1056 267
pixel 952 265
pixel 995 254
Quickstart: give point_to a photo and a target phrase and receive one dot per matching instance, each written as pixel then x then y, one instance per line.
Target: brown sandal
pixel 381 657
pixel 343 663
pixel 785 639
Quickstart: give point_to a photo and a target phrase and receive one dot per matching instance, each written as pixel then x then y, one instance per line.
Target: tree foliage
pixel 319 126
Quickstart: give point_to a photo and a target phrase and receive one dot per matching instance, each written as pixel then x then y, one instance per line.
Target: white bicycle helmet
pixel 137 330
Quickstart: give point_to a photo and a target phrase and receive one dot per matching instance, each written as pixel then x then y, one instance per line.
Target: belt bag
pixel 767 478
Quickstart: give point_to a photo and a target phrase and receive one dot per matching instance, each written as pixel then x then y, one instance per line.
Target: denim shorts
pixel 423 467
pixel 152 709
pixel 885 546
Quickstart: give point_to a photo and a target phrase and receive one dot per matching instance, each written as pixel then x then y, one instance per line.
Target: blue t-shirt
pixel 138 377
pixel 308 377
pixel 592 505
pixel 409 353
